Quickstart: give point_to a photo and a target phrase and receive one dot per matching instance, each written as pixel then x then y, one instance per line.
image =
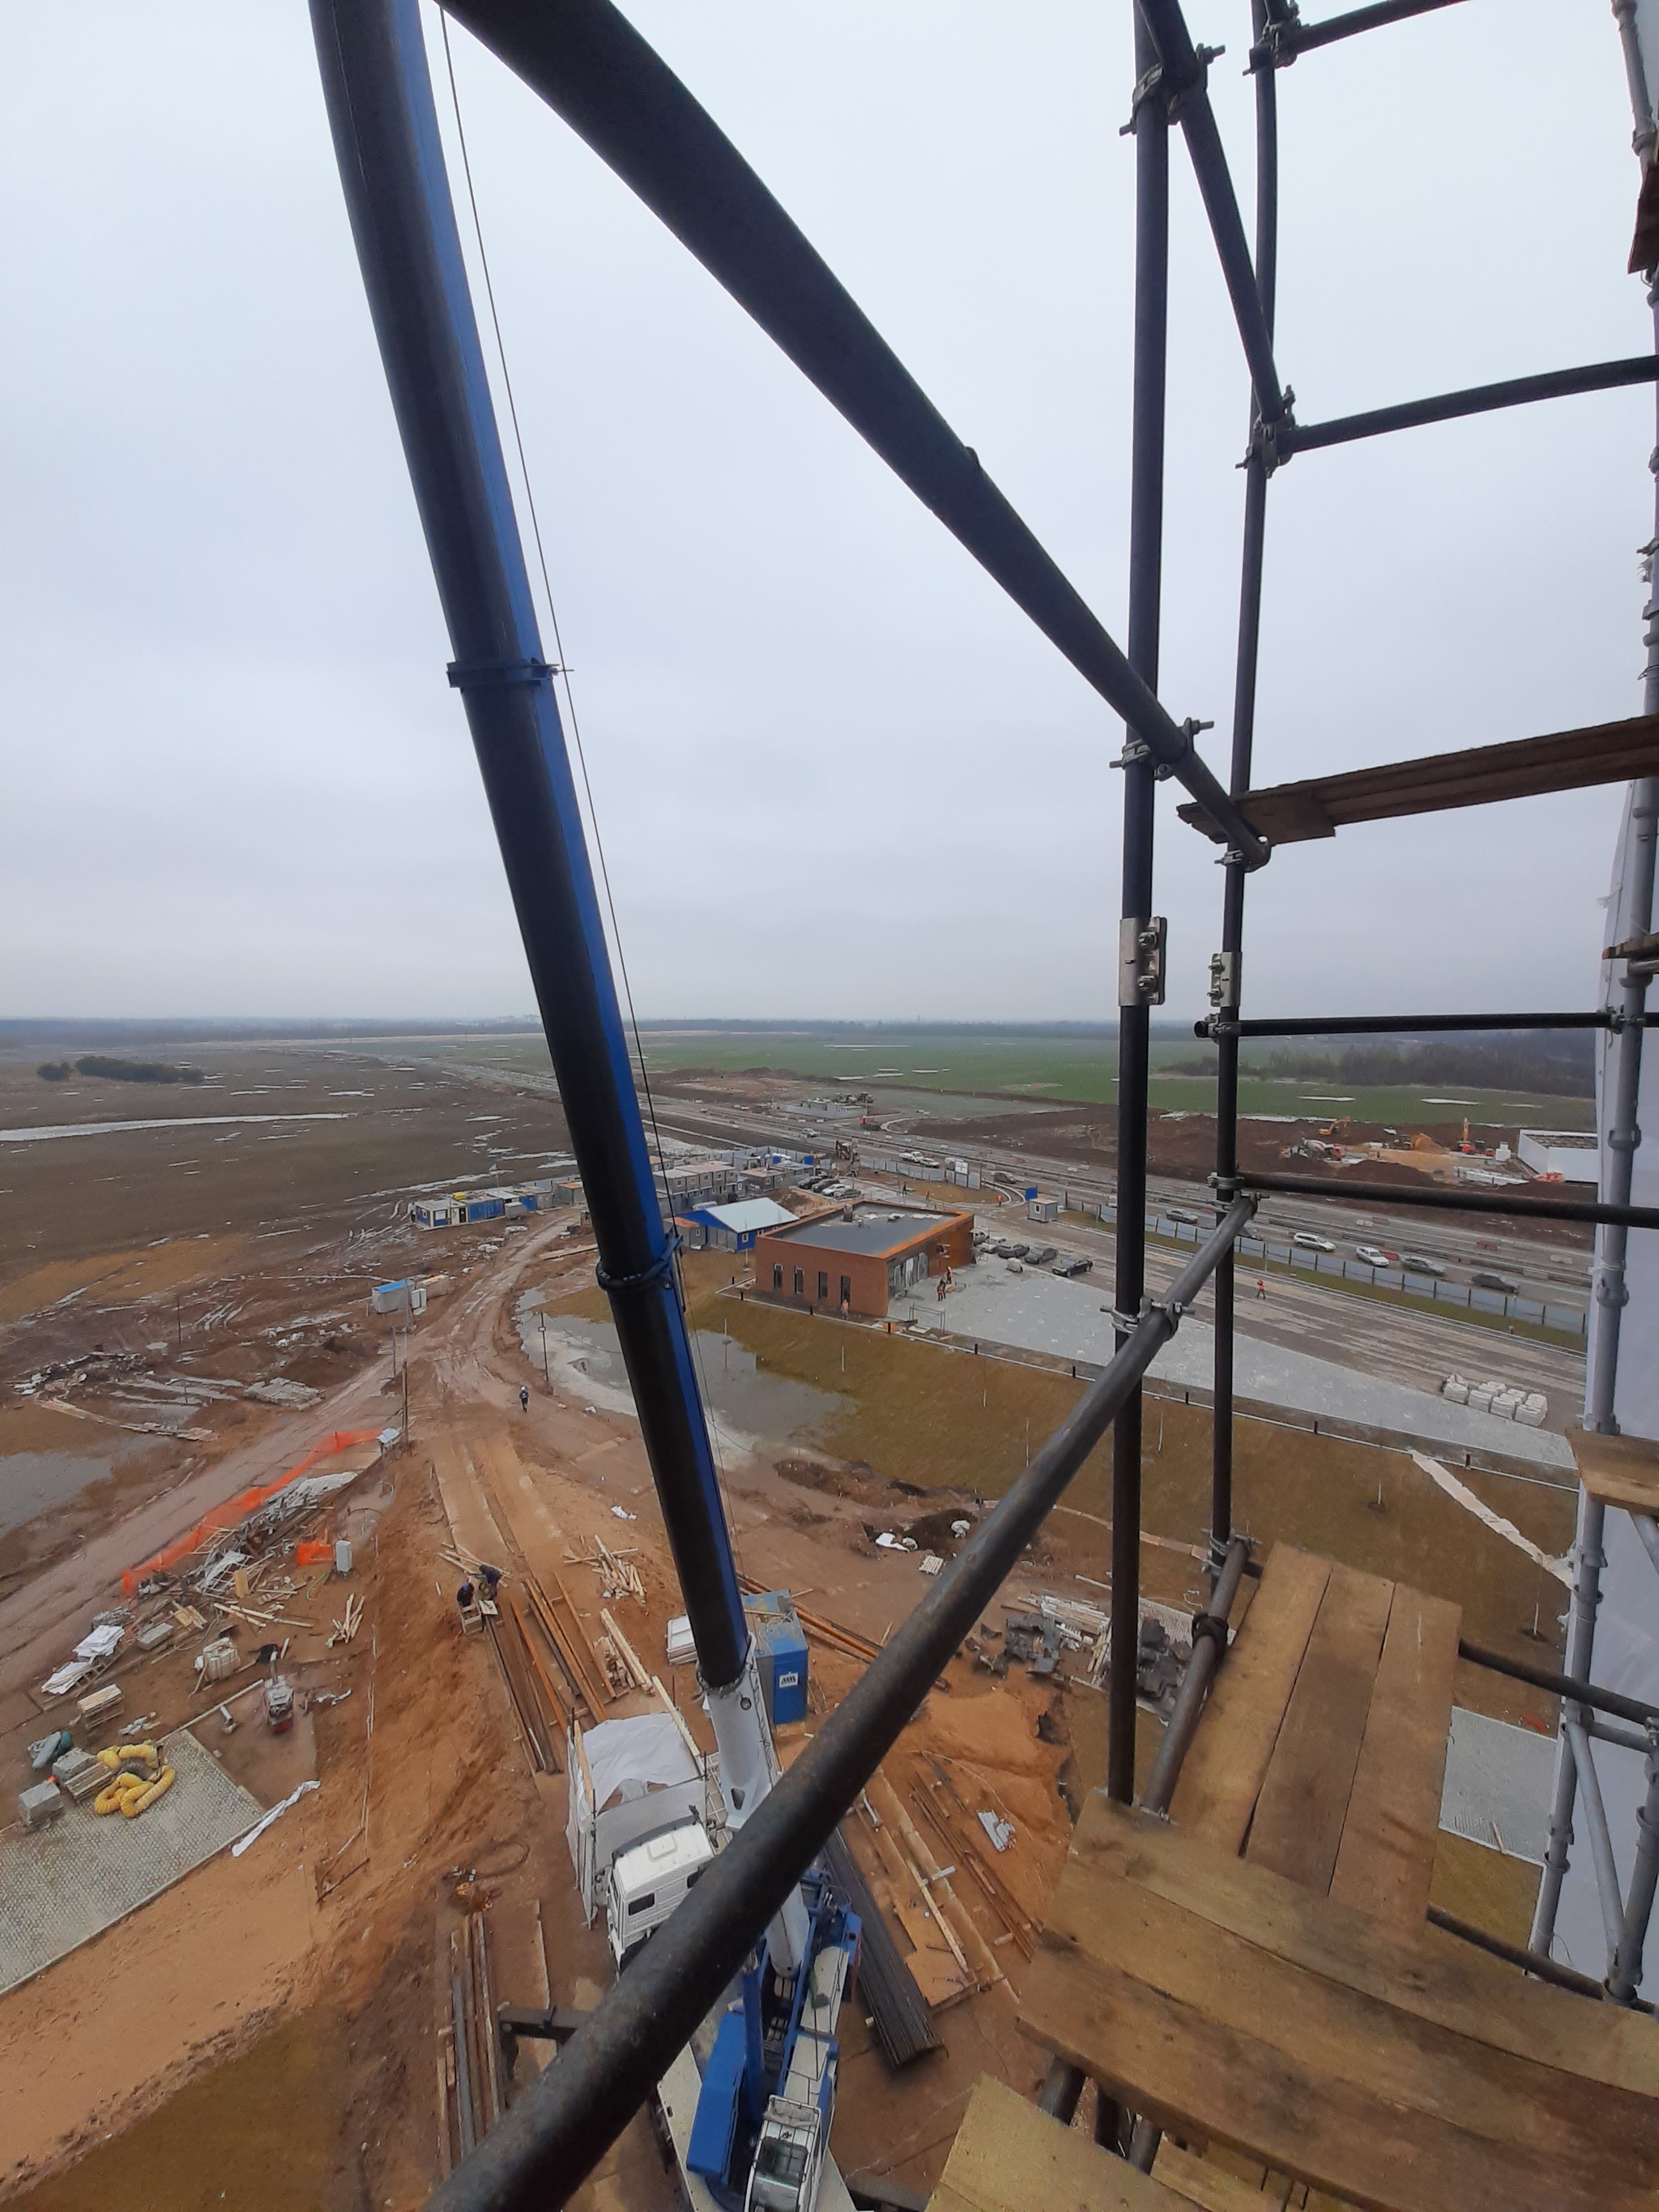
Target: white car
pixel 1374 1255
pixel 1310 1242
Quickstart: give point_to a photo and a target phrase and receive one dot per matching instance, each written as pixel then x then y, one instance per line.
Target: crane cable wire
pixel 562 673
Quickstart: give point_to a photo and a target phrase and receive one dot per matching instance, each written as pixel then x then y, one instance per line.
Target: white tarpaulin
pixel 628 1778
pixel 1561 1569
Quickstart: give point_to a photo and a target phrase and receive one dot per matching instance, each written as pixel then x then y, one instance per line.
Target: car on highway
pixel 1374 1255
pixel 1485 1280
pixel 1310 1242
pixel 1420 1264
pixel 1179 1213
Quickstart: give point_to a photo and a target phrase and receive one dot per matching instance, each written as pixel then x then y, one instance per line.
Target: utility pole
pixel 546 1375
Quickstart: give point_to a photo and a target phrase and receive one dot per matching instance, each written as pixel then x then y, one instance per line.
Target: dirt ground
pixel 262 2034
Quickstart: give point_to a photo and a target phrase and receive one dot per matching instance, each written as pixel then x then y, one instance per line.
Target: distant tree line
pixel 1560 1064
pixel 117 1071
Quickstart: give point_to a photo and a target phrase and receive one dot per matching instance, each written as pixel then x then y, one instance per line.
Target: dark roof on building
pixel 871 1233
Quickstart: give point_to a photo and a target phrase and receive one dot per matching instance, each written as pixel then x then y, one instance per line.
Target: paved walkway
pixel 1041 1312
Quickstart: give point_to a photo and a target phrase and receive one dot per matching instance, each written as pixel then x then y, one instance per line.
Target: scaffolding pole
pixel 1226 977
pixel 1140 960
pixel 1620 1136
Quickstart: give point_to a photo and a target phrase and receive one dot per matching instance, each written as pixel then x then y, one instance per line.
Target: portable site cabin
pixel 628 1779
pixel 401 1298
pixel 734 1228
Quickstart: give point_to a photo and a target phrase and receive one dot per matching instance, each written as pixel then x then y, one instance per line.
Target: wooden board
pixel 1566 760
pixel 1228 2002
pixel 1223 1774
pixel 1385 1861
pixel 1434 1977
pixel 1297 1828
pixel 1200 2183
pixel 1010 2157
pixel 1619 1470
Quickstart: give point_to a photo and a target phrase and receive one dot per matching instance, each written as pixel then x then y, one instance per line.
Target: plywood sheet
pixel 1009 2156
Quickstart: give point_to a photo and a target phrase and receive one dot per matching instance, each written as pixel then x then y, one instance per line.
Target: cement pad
pixel 1041 1312
pixel 62 1885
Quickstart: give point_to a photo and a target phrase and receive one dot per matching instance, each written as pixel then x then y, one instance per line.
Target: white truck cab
pixel 647 1880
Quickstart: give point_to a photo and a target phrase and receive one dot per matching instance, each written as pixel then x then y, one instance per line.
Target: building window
pixel 777 1279
pixel 801 1282
pixel 823 1286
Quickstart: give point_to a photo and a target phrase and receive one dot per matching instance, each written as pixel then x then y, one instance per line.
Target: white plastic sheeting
pixel 628 1778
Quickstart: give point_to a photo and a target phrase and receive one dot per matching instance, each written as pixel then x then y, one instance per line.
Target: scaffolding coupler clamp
pixel 1212 1626
pixel 1266 437
pixel 660 1270
pixel 1171 1308
pixel 1148 89
pixel 491 675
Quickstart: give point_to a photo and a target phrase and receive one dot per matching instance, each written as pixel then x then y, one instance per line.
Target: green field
pixel 1032 1067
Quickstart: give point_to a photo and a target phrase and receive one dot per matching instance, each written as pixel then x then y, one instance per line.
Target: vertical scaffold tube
pixel 1140 789
pixel 1228 982
pixel 1621 1090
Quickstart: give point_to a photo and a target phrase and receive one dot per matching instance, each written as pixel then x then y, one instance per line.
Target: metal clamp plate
pixel 1141 944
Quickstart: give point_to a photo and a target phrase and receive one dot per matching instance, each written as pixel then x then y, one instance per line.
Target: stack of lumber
pixel 974 1854
pixel 952 1959
pixel 887 1988
pixel 343 1630
pixel 539 1698
pixel 469 2094
pixel 618 1578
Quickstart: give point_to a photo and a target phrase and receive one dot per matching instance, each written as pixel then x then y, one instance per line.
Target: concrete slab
pixel 65 1884
pixel 1499 1782
pixel 1041 1312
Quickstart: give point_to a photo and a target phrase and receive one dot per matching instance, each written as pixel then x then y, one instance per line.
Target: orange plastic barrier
pixel 314 1552
pixel 237 1509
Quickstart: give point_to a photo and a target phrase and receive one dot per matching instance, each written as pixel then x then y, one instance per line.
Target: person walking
pixel 1261 1286
pixel 524 1398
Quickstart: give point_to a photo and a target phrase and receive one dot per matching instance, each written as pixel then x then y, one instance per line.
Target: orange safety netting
pixel 237 1509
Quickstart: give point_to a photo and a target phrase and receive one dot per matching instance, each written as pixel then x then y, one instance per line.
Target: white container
pixel 1480 1399
pixel 219 1660
pixel 1457 1389
pixel 341 1555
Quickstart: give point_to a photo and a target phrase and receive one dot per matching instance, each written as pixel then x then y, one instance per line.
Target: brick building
pixel 861 1257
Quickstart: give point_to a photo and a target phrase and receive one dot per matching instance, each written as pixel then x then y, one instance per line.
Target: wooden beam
pixel 1567 760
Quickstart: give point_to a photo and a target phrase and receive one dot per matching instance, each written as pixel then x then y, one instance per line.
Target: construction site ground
pixel 267 2031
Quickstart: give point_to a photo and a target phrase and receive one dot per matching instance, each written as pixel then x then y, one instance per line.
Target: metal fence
pixel 1569 1320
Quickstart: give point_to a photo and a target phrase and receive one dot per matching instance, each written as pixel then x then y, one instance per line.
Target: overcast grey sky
pixel 237 780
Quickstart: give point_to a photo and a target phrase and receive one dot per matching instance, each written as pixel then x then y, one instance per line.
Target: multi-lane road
pixel 1309 1313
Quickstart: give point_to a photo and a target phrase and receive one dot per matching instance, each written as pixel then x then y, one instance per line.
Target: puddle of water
pixel 35 1482
pixel 584 1359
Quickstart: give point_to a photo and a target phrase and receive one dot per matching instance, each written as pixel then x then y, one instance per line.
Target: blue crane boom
pixel 378 90
pixel 379 94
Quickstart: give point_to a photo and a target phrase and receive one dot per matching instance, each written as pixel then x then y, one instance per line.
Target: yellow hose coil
pixel 117 1756
pixel 114 1799
pixel 136 1800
